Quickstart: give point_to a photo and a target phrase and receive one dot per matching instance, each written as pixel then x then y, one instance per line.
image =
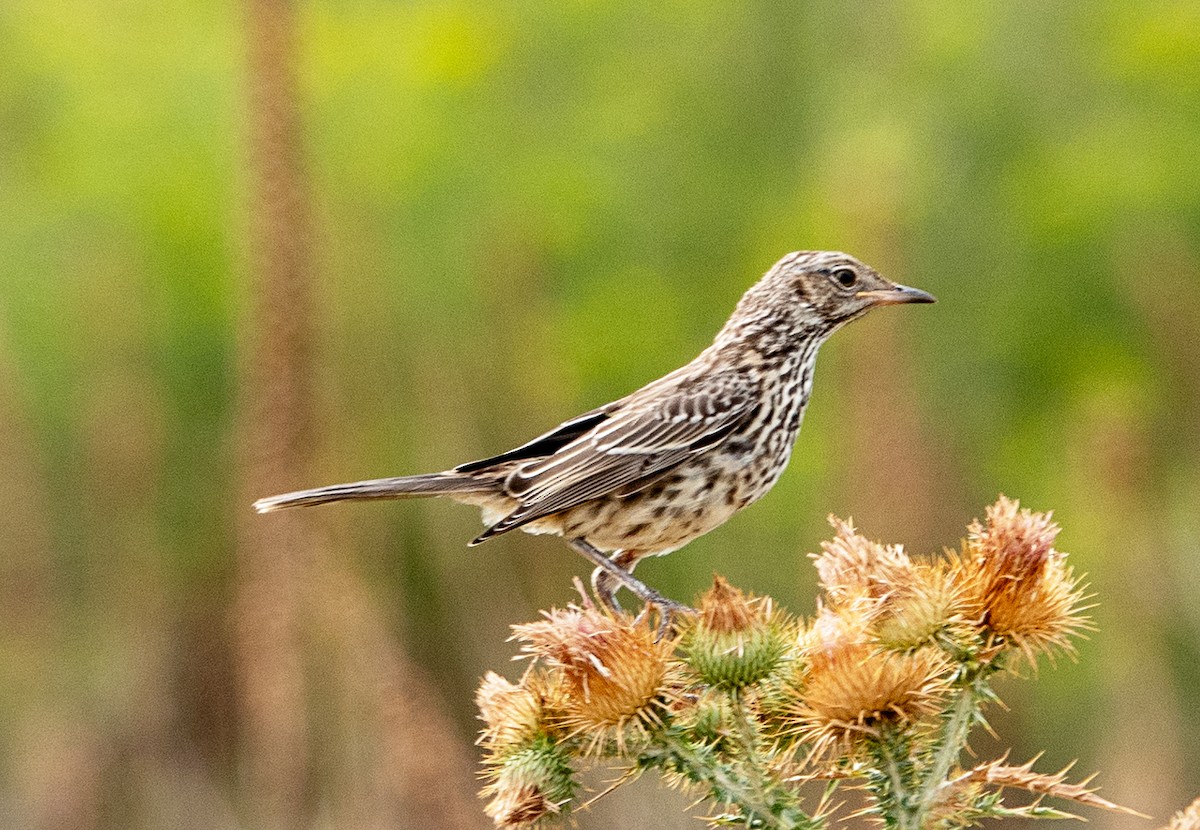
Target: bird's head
pixel 836 288
pixel 808 295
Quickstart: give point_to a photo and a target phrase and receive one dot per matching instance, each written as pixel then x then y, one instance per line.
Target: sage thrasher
pixel 646 474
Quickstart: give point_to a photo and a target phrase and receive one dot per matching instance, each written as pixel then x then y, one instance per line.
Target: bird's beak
pixel 897 294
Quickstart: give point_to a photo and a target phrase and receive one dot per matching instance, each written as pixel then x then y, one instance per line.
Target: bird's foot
pixel 668 609
pixel 610 576
pixel 668 612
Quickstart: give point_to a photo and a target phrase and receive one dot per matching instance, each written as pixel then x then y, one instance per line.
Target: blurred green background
pixel 521 210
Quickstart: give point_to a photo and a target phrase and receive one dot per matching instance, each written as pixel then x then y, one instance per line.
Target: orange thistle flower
pixel 1019 587
pixel 615 677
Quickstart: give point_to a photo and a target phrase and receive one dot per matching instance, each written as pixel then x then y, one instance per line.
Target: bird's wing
pixel 646 438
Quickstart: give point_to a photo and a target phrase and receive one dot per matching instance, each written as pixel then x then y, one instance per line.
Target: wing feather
pixel 548 442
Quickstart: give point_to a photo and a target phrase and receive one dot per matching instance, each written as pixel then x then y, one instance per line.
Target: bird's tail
pixel 405 487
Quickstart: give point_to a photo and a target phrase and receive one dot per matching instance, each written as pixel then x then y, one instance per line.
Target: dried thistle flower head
pixel 736 640
pixel 515 714
pixel 518 806
pixel 1018 586
pixel 512 714
pixel 851 566
pixel 853 688
pixel 615 677
pixel 725 609
pixel 529 784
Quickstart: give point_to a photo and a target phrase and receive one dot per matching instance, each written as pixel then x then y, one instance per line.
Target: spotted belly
pixel 693 500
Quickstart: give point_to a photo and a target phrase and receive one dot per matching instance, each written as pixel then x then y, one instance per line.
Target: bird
pixel 647 473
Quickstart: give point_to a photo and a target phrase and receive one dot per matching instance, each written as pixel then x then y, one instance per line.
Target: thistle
pixel 879 690
pixel 614 674
pixel 854 688
pixel 1187 818
pixel 529 784
pixel 853 568
pixel 1019 589
pixel 515 714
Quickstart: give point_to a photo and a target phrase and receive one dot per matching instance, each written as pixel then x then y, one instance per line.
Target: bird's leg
pixel 605 585
pixel 613 572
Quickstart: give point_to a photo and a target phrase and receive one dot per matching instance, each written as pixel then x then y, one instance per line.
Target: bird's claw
pixel 668 609
pixel 668 612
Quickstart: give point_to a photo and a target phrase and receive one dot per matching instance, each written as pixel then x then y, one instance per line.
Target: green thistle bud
pixel 777 693
pixel 707 717
pixel 529 784
pixel 736 640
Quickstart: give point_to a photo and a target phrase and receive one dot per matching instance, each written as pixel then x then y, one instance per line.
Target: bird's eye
pixel 845 277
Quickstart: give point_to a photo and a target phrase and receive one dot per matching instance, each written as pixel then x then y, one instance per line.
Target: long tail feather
pixel 405 487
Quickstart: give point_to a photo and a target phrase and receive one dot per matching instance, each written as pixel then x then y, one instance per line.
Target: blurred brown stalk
pixel 288 589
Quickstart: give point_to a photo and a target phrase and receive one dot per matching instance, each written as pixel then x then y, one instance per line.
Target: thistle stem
pixel 761 806
pixel 908 789
pixel 950 745
pixel 895 787
pixel 748 741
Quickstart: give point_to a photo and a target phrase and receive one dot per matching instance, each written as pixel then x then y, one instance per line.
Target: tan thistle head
pixel 725 609
pixel 528 770
pixel 909 603
pixel 853 688
pixel 1018 587
pixel 928 609
pixel 615 678
pixel 518 806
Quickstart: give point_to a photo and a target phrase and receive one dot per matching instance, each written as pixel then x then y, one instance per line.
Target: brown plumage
pixel 646 474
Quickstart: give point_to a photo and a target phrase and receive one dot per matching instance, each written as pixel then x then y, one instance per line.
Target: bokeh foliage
pixel 524 209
